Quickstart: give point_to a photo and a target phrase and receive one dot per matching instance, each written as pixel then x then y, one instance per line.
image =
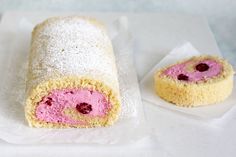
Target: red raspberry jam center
pixel 84 108
pixel 202 67
pixel 183 77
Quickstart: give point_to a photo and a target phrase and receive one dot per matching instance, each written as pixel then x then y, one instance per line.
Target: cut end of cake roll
pixel 197 81
pixel 72 76
pixel 72 102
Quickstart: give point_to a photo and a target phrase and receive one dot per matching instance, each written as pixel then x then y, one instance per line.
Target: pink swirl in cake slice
pixel 86 102
pixel 194 71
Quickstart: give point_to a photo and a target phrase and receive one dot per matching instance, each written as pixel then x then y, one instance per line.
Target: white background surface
pixel 173 134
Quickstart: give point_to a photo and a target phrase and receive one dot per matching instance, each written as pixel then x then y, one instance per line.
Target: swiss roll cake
pixel 196 81
pixel 72 76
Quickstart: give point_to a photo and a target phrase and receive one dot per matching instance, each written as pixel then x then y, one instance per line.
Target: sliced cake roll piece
pixel 200 80
pixel 72 76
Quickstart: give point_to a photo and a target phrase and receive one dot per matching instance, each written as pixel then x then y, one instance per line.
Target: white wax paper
pixel 13 127
pixel 209 112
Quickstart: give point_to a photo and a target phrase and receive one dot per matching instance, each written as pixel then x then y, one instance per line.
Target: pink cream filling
pixel 194 75
pixel 51 108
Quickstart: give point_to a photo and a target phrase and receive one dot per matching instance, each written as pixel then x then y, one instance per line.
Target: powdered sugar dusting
pixel 71 46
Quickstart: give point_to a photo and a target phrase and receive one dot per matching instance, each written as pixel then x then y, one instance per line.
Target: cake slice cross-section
pixel 197 81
